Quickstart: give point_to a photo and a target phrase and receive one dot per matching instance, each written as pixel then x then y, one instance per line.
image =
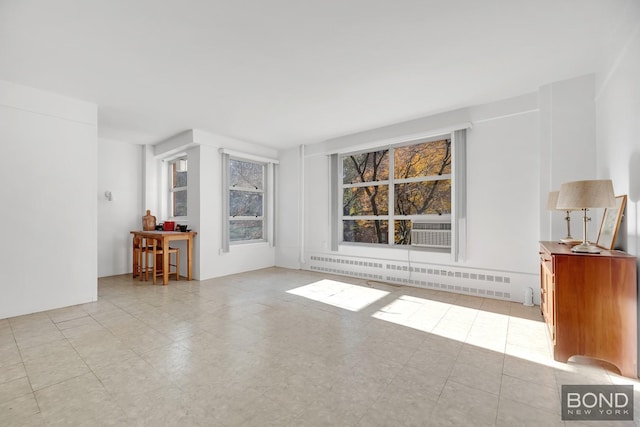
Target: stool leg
pixel 134 261
pixel 143 267
pixel 140 263
pixel 177 265
pixel 155 262
pixel 143 264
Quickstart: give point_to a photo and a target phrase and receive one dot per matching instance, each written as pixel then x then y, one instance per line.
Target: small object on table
pixel 148 221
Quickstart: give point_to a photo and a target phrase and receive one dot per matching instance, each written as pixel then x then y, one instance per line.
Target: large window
pixel 384 190
pixel 178 187
pixel 246 200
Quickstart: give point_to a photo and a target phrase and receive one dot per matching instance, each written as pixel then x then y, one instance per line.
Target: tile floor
pixel 280 347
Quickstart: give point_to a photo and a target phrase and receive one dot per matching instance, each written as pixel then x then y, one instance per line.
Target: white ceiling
pixel 288 72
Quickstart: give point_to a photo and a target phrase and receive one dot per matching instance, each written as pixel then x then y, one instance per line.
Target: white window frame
pixel 170 203
pixel 262 191
pixel 268 199
pixel 391 217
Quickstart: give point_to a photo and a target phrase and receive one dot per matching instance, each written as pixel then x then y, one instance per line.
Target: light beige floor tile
pixel 408 400
pixel 143 341
pixel 460 405
pixel 488 380
pixel 66 314
pixel 79 401
pixel 85 324
pixel 265 412
pixel 294 391
pixel 97 353
pixel 496 306
pixel 21 411
pixel 38 335
pixel 453 329
pixel 12 372
pixel 331 410
pixel 531 394
pixel 53 362
pixel 6 335
pixel 173 360
pixel 129 377
pixel 527 370
pixel 9 354
pixel 166 406
pixel 15 388
pixel 480 358
pixel 512 414
pixel 487 339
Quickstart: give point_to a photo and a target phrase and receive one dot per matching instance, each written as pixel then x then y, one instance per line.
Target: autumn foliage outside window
pixel 383 190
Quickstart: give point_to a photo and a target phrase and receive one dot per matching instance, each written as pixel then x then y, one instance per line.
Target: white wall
pixel 503 184
pixel 288 218
pixel 49 200
pixel 119 171
pixel 618 124
pixel 567 149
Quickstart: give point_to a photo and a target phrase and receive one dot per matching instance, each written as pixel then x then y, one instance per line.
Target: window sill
pixel 393 247
pixel 251 243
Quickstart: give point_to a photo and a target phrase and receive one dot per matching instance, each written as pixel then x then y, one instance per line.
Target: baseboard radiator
pixel 483 283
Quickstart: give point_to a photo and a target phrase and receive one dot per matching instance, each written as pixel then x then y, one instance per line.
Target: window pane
pixel 245 230
pixel 402 232
pixel 180 203
pixel 179 173
pixel 246 174
pixel 366 200
pixel 243 203
pixel 422 198
pixel 365 167
pixel 181 179
pixel 365 231
pixel 430 158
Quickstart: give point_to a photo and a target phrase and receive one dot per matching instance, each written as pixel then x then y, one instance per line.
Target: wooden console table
pixel 166 237
pixel 589 302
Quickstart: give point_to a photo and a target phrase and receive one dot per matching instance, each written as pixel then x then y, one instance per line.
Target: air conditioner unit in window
pixel 431 233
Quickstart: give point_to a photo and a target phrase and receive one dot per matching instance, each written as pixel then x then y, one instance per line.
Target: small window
pixel 178 188
pixel 246 201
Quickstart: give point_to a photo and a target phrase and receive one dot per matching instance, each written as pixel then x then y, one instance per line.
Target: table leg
pixel 189 253
pixel 165 262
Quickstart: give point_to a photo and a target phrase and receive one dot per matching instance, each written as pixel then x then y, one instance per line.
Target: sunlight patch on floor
pixel 339 294
pixel 522 338
pixel 514 336
pixel 417 313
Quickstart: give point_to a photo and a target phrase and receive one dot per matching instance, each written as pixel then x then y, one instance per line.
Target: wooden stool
pixel 155 252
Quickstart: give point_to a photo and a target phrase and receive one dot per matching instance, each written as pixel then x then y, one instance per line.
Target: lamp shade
pixel 552 201
pixel 595 193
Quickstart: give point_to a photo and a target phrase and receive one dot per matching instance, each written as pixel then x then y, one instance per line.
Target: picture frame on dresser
pixel 611 223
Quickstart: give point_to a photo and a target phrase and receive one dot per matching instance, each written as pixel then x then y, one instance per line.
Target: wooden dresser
pixel 589 304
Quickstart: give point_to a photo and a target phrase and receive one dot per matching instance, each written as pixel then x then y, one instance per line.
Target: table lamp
pixel 552 203
pixel 585 195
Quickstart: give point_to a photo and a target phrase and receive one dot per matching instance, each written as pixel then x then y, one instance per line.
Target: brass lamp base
pixel 570 241
pixel 586 248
